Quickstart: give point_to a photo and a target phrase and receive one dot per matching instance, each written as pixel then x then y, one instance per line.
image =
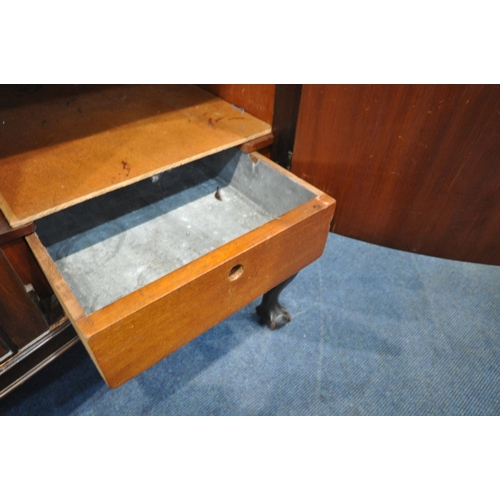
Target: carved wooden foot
pixel 270 311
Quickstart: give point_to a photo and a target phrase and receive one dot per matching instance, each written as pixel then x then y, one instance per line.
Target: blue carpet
pixel 375 331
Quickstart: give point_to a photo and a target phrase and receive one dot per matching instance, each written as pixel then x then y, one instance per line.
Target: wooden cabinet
pixel 155 218
pixel 33 327
pixel 413 167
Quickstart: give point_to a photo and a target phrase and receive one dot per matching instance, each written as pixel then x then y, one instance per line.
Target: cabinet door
pixel 413 167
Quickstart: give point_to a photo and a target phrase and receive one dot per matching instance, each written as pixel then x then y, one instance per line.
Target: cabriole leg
pixel 270 311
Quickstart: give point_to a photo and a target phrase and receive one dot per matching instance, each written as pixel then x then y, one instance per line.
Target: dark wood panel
pixel 258 144
pixel 5 350
pixel 15 95
pixel 8 234
pixel 20 257
pixel 19 317
pixel 286 110
pixel 19 368
pixel 26 267
pixel 413 167
pixel 257 99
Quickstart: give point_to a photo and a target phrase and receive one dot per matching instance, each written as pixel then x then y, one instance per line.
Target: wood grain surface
pixel 257 144
pixel 19 317
pixel 8 234
pixel 286 110
pixel 26 267
pixel 61 289
pixel 20 258
pixel 256 99
pixel 413 167
pixel 59 152
pixel 18 368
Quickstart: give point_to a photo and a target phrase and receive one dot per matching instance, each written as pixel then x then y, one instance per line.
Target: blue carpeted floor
pixel 375 331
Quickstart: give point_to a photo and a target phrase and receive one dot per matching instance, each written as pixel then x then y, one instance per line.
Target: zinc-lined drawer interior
pixel 110 246
pixel 144 269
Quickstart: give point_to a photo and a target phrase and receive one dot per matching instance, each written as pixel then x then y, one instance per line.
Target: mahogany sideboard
pixel 123 205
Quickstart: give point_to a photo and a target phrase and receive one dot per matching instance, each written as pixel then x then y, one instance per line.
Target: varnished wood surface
pixel 62 290
pixel 133 333
pixel 286 110
pixel 19 317
pixel 57 153
pixel 256 99
pixel 5 351
pixel 18 368
pixel 20 258
pixel 18 95
pixel 8 234
pixel 257 144
pixel 26 267
pixel 413 167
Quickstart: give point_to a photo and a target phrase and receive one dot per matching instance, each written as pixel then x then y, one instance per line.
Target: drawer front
pixel 131 334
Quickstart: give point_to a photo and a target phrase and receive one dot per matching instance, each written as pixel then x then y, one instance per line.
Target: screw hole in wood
pixel 236 272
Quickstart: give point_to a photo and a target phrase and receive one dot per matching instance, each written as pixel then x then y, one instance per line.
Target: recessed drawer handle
pixel 236 272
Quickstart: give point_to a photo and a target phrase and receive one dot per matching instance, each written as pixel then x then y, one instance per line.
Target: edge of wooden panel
pixel 16 222
pixel 63 292
pixel 9 215
pixel 290 175
pixel 256 144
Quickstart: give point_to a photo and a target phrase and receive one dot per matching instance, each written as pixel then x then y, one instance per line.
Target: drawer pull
pixel 236 272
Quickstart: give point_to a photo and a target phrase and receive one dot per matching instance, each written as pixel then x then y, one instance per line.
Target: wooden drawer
pixel 142 270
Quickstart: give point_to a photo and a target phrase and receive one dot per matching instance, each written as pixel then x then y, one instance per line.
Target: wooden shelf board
pixel 57 153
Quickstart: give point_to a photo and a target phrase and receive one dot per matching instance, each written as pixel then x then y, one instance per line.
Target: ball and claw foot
pixel 270 311
pixel 274 317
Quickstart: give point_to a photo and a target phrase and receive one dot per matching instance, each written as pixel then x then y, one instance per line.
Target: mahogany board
pixel 60 152
pixel 257 99
pixel 413 167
